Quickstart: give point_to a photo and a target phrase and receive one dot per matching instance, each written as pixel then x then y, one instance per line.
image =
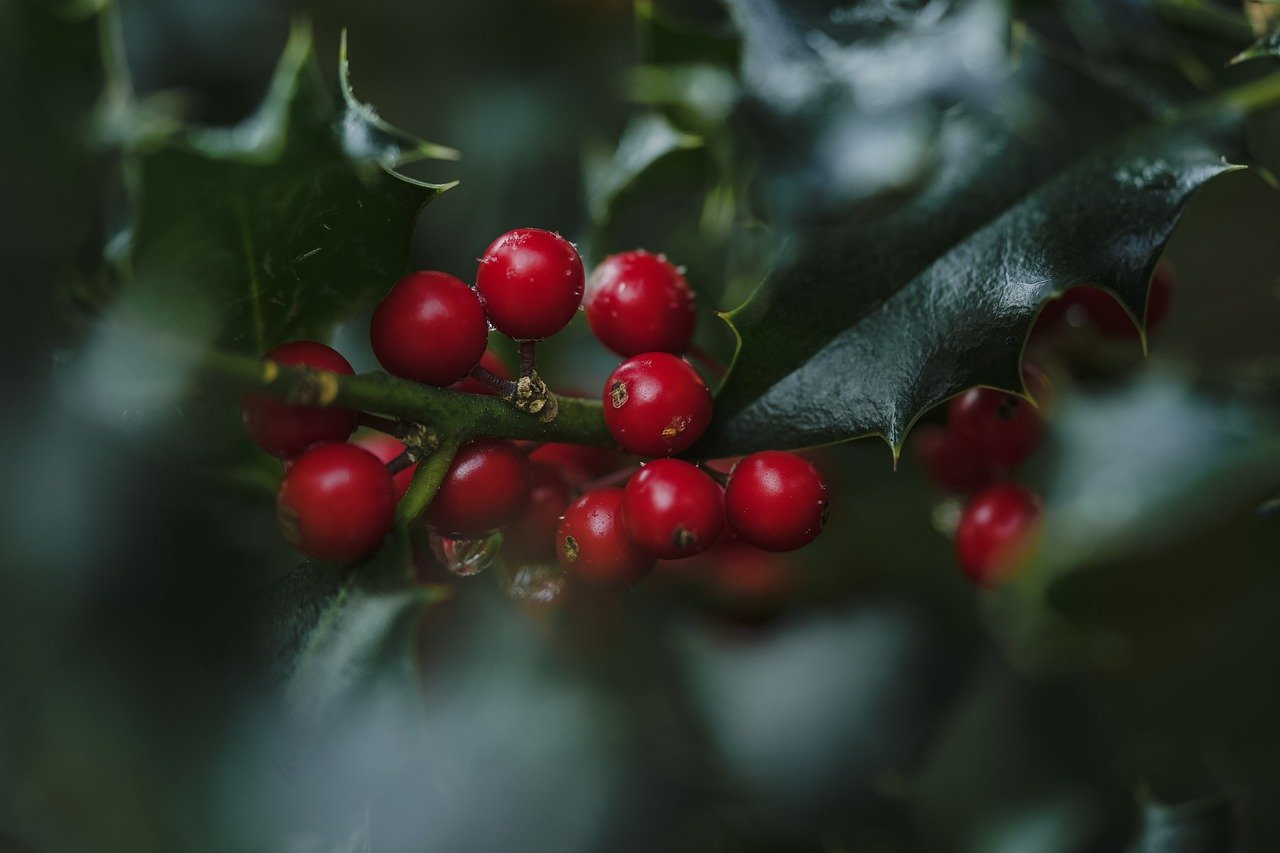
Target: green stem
pixel 580 421
pixel 426 481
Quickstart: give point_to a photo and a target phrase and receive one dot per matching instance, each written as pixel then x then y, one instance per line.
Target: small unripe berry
pixel 776 501
pixel 284 430
pixel 1001 429
pixel 672 509
pixel 593 545
pixel 388 449
pixel 430 328
pixel 656 404
pixel 490 362
pixel 532 282
pixel 639 302
pixel 531 537
pixel 994 532
pixel 336 503
pixel 483 490
pixel 953 466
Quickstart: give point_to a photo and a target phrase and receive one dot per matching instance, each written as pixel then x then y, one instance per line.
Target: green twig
pixel 426 481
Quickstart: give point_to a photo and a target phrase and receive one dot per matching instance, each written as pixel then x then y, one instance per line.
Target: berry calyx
pixel 994 532
pixel 388 449
pixel 490 362
pixel 593 545
pixel 656 404
pixel 483 489
pixel 1002 429
pixel 283 429
pixel 532 282
pixel 336 503
pixel 531 537
pixel 430 328
pixel 639 302
pixel 953 466
pixel 672 509
pixel 776 501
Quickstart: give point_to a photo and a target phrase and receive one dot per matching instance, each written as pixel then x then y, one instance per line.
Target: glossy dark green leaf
pixel 1266 47
pixel 868 324
pixel 278 227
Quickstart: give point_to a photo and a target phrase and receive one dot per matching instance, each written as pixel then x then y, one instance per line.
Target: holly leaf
pixel 278 227
pixel 1268 46
pixel 868 324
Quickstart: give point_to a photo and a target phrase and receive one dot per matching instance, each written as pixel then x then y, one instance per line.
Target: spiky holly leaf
pixel 1268 46
pixel 278 227
pixel 866 325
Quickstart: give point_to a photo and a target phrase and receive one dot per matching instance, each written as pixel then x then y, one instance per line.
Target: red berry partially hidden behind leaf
pixel 995 531
pixel 954 467
pixel 284 430
pixel 1001 429
pixel 639 302
pixel 336 503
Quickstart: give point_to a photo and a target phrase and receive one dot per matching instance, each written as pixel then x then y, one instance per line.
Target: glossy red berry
pixel 656 404
pixel 776 501
pixel 490 362
pixel 430 328
pixel 532 282
pixel 531 537
pixel 994 532
pixel 1001 429
pixel 672 509
pixel 953 466
pixel 388 449
pixel 593 545
pixel 336 503
pixel 284 430
pixel 483 490
pixel 639 302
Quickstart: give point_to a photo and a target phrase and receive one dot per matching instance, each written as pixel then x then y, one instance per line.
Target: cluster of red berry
pixel 989 434
pixel 337 500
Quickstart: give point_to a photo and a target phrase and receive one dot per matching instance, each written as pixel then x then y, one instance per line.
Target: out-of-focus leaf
pixel 868 325
pixel 1266 47
pixel 275 228
pixel 1202 826
pixel 1132 468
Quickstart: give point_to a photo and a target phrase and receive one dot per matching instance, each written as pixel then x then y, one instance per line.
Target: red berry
pixel 638 302
pixel 1001 429
pixel 593 545
pixel 388 449
pixel 579 463
pixel 483 490
pixel 748 579
pixel 490 362
pixel 1105 312
pixel 1160 296
pixel 656 404
pixel 994 532
pixel 532 536
pixel 336 503
pixel 673 509
pixel 776 501
pixel 284 430
pixel 532 282
pixel 430 328
pixel 953 466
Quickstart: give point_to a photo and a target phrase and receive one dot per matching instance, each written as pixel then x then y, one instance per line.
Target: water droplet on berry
pixel 466 557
